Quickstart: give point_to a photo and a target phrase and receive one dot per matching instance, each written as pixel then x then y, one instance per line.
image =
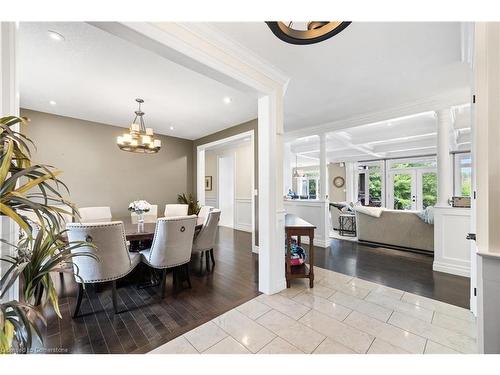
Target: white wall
pixel 244 160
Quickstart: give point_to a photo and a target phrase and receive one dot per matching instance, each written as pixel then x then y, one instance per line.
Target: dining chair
pixel 149 217
pixel 95 214
pixel 172 210
pixel 204 242
pixel 171 248
pixel 114 262
pixel 204 210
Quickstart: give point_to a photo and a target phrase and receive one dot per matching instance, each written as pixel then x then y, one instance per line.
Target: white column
pixel 444 164
pixel 200 175
pixel 9 105
pixel 271 213
pixel 351 182
pixel 287 168
pixel 323 170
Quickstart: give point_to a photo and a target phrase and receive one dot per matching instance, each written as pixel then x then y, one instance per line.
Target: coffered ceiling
pixel 400 137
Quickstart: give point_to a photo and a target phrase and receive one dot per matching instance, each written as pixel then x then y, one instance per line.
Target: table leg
pixel 311 260
pixel 287 262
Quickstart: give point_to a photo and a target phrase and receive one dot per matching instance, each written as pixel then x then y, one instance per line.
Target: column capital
pixel 443 113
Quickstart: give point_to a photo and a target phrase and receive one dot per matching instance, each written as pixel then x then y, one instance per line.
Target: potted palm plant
pixel 31 195
pixel 193 206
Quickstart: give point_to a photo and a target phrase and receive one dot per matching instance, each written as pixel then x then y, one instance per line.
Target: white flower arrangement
pixel 139 207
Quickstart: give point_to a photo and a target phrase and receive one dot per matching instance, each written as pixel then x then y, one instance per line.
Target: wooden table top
pixel 132 232
pixel 293 221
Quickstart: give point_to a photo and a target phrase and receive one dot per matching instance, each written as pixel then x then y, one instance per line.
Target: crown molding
pixel 433 103
pixel 220 40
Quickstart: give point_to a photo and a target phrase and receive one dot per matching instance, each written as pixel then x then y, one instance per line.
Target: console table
pixel 295 226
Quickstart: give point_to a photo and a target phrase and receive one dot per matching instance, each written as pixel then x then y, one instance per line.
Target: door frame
pixel 200 174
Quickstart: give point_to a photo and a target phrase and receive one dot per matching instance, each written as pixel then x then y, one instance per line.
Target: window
pixel 370 184
pixel 306 186
pixel 462 174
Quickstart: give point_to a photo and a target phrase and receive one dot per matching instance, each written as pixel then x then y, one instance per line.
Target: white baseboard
pixel 317 241
pixel 451 268
pixel 243 227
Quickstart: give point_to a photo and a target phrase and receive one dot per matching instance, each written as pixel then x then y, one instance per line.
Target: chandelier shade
pixel 306 32
pixel 139 139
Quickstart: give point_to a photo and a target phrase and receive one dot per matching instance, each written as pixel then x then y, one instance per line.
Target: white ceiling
pixel 368 67
pixel 96 76
pixel 409 136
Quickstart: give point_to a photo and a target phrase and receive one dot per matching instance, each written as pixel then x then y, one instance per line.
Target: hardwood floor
pixel 403 270
pixel 145 323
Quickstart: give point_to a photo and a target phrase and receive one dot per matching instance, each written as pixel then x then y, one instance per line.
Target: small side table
pixel 295 226
pixel 347 225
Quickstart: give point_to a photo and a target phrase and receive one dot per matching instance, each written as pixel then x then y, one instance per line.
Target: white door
pixel 402 190
pixel 413 189
pixel 426 188
pixel 225 185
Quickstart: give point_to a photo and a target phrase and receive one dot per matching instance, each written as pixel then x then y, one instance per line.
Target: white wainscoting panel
pixel 211 201
pixel 314 212
pixel 243 214
pixel 451 248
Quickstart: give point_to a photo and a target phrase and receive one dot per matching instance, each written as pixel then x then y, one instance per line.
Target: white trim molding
pixel 243 214
pixel 9 105
pixel 429 104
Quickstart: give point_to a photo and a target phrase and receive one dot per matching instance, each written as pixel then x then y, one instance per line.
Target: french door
pixel 412 189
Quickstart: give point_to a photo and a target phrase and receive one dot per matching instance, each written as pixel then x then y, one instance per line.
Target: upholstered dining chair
pixel 149 217
pixel 172 210
pixel 95 214
pixel 204 242
pixel 115 261
pixel 171 248
pixel 204 210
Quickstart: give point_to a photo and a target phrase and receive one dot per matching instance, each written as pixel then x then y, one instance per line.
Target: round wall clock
pixel 338 182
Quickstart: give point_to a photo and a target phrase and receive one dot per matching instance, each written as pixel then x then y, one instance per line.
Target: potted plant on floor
pixel 193 206
pixel 31 195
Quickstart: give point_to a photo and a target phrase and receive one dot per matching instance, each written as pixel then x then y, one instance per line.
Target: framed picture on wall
pixel 208 183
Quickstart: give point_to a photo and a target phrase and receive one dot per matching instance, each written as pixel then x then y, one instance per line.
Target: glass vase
pixel 140 221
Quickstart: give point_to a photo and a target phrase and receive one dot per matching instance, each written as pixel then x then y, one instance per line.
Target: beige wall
pixel 336 194
pixel 98 173
pixel 243 169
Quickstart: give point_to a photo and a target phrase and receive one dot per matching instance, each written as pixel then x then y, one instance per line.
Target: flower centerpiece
pixel 139 208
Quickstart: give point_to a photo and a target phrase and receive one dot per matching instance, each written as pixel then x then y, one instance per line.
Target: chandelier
pixel 306 32
pixel 139 138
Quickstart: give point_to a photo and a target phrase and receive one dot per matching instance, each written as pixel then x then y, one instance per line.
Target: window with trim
pixel 462 172
pixel 371 184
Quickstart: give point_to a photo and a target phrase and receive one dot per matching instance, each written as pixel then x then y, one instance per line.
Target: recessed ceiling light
pixel 227 100
pixel 54 35
pixel 171 128
pixel 52 102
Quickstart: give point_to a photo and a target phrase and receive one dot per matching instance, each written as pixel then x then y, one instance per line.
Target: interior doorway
pixel 226 180
pixel 225 183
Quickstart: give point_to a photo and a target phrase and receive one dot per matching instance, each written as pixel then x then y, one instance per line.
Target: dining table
pixel 139 235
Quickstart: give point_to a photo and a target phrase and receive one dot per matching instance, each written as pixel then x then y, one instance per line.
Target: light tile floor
pixel 340 315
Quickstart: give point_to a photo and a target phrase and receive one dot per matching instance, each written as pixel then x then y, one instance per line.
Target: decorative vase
pixel 140 221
